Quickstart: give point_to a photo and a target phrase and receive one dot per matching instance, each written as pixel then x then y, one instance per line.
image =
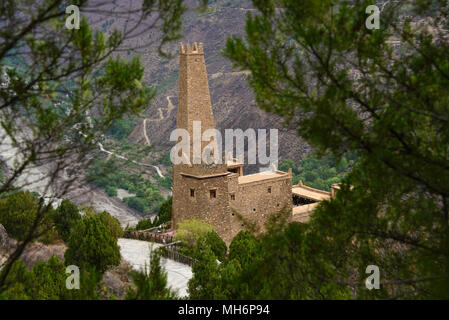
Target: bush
pixel 217 245
pixel 47 281
pixel 111 223
pixel 189 231
pixel 91 243
pixel 164 213
pixel 65 217
pixel 150 285
pixel 111 191
pixel 109 175
pixel 163 216
pixel 243 248
pixel 136 203
pixel 121 128
pixel 18 212
pixel 320 173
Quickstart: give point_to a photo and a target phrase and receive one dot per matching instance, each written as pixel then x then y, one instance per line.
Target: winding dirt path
pixel 100 145
pixel 145 131
pixel 170 108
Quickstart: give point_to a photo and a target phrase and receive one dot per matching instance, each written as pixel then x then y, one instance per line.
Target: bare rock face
pixel 33 252
pixel 117 280
pixel 37 251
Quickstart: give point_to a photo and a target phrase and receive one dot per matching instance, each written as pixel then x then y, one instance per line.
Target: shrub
pixel 111 191
pixel 18 212
pixel 189 231
pixel 111 223
pixel 152 284
pixel 217 245
pixel 65 217
pixel 91 243
pixel 136 203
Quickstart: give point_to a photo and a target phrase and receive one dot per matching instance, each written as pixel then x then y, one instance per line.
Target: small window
pixel 213 194
pixel 232 196
pixel 269 189
pixel 192 192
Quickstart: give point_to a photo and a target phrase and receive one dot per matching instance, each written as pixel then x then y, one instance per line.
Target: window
pixel 213 194
pixel 232 196
pixel 192 192
pixel 269 189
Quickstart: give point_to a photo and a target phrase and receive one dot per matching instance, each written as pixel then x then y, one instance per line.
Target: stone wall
pixel 215 211
pixel 255 204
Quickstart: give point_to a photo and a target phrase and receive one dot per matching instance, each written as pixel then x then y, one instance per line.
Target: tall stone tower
pixel 200 190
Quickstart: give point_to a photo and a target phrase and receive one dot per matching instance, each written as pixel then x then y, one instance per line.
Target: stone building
pixel 219 193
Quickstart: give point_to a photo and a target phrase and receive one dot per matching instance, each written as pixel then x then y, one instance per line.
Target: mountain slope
pixel 232 99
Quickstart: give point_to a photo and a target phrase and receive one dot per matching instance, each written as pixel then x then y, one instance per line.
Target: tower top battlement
pixel 194 49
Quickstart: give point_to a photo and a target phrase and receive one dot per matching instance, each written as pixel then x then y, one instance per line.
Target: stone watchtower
pixel 199 190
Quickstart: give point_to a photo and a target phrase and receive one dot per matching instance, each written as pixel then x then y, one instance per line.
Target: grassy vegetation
pixel 319 173
pixel 121 128
pixel 110 175
pixel 163 216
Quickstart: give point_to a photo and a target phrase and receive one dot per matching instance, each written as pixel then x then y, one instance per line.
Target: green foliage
pixel 111 191
pixel 217 245
pixel 47 281
pixel 163 216
pixel 111 223
pixel 65 217
pixel 19 211
pixel 320 173
pixel 144 224
pixel 110 175
pixel 92 244
pixel 243 248
pixel 205 283
pixel 189 231
pixel 121 128
pixel 164 213
pixel 136 203
pixel 151 284
pixel 166 160
pixel 348 89
pixel 280 264
pixel 166 182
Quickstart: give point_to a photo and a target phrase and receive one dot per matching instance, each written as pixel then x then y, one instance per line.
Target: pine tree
pixel 206 282
pixel 151 284
pixel 91 244
pixel 350 89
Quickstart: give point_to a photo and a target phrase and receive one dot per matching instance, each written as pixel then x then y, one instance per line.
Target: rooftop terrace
pixel 310 193
pixel 261 176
